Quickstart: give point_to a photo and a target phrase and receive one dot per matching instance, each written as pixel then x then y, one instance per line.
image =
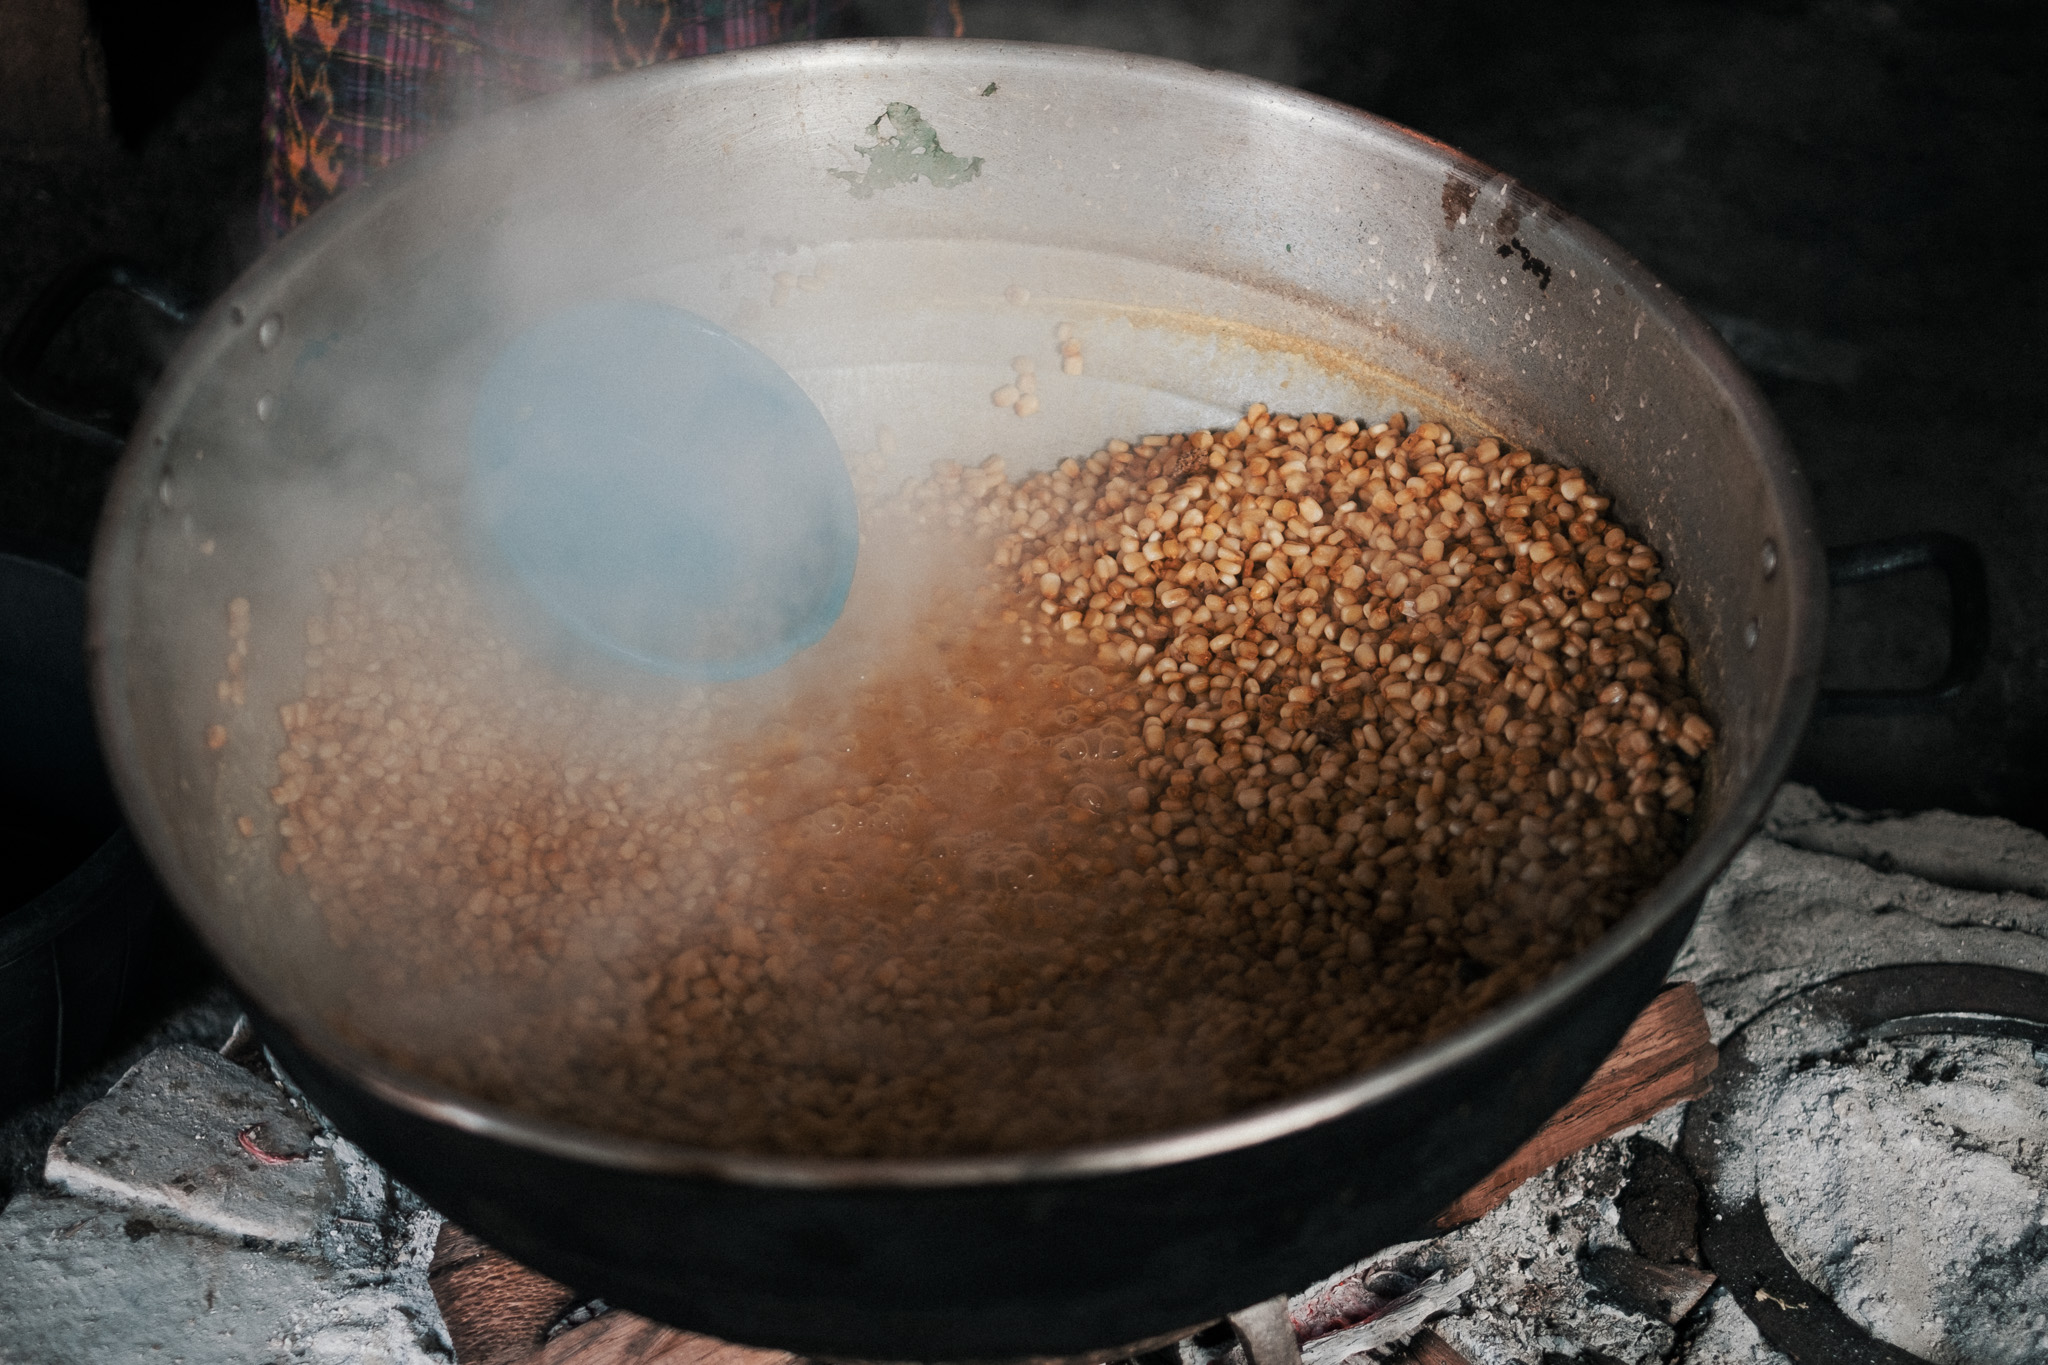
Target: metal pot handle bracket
pixel 1969 617
pixel 28 340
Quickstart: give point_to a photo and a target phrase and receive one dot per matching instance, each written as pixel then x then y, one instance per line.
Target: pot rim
pixel 1712 848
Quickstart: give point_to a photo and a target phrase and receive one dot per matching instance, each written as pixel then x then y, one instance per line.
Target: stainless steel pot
pixel 1215 241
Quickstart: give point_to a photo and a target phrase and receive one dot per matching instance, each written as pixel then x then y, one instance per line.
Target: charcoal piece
pixel 1660 1204
pixel 1389 1284
pixel 1216 1344
pixel 1638 1285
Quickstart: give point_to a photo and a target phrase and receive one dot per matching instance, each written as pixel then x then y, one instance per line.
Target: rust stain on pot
pixel 1460 192
pixel 1519 207
pixel 1331 360
pixel 908 152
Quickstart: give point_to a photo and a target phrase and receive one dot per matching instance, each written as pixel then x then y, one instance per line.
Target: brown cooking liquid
pixel 914 923
pixel 913 895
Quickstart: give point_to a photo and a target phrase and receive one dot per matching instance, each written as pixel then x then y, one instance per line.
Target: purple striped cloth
pixel 353 85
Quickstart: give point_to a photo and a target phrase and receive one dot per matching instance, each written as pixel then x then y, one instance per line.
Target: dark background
pixel 1846 189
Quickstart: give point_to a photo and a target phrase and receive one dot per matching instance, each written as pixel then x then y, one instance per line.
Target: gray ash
pixel 1909 1180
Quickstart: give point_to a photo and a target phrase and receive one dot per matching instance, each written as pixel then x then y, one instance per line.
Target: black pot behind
pixel 76 899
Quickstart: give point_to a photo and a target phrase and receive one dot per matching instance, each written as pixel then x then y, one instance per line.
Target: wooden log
pixel 621 1338
pixel 1665 1057
pixel 1427 1348
pixel 498 1312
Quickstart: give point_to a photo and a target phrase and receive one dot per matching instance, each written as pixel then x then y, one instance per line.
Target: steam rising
pixel 623 455
pixel 604 854
pixel 761 914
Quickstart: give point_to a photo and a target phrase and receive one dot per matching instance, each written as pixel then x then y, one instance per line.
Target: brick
pixel 83 1284
pixel 172 1139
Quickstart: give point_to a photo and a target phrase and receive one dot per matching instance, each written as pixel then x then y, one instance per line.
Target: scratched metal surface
pixel 1213 240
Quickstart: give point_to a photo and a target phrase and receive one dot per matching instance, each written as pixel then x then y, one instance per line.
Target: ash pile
pixel 203 1212
pixel 1878 987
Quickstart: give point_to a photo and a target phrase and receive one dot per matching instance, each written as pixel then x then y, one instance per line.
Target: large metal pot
pixel 1217 241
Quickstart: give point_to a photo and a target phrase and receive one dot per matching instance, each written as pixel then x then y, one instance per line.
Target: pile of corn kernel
pixel 1245 760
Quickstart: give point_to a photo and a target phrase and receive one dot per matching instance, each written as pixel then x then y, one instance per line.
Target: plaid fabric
pixel 353 85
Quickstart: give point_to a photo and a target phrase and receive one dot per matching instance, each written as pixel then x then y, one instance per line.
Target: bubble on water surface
pixel 781 741
pixel 1087 681
pixel 832 880
pixel 985 870
pixel 894 815
pixel 832 820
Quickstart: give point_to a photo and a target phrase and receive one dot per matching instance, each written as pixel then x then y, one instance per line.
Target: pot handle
pixel 21 354
pixel 1969 617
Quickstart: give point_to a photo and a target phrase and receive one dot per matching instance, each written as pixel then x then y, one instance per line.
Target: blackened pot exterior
pixel 70 954
pixel 1063 1264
